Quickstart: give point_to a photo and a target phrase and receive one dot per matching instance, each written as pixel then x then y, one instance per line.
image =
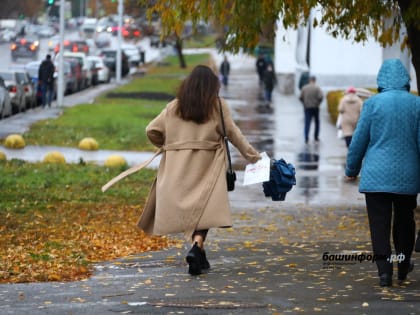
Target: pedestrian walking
pixel 190 193
pixel 46 80
pixel 349 108
pixel 261 66
pixel 387 141
pixel 225 71
pixel 304 79
pixel 311 97
pixel 270 81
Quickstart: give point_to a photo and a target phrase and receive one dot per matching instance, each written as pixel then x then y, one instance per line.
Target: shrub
pixel 333 99
pixel 115 161
pixel 89 144
pixel 2 156
pixel 54 157
pixel 14 142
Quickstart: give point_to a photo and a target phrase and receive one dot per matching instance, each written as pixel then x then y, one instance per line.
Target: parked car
pixel 5 103
pixel 7 35
pixel 70 82
pixel 132 53
pixel 32 69
pixel 86 71
pixel 28 87
pixel 110 60
pixel 16 92
pixel 25 47
pixel 103 74
pixel 71 78
pixel 76 70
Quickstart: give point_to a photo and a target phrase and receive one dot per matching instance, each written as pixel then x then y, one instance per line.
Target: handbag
pixel 230 174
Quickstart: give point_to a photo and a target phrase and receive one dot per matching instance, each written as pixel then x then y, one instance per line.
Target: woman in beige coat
pixel 189 194
pixel 349 108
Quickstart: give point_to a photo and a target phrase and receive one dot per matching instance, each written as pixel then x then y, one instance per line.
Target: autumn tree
pixel 246 20
pixel 14 8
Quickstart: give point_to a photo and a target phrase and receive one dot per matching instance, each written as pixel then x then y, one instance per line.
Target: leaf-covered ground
pixel 55 221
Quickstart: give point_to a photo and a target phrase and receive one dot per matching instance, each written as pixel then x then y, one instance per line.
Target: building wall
pixel 336 62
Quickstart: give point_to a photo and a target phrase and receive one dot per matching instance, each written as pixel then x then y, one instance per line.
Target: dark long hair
pixel 197 95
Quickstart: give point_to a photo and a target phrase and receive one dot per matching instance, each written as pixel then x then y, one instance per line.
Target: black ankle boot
pixel 403 271
pixel 194 260
pixel 205 265
pixel 385 280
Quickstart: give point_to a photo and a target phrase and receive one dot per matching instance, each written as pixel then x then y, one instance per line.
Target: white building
pixel 337 63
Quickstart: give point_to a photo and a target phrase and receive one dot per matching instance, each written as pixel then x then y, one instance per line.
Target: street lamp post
pixel 120 18
pixel 60 84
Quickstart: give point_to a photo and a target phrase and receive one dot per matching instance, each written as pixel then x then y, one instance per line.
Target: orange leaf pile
pixel 60 244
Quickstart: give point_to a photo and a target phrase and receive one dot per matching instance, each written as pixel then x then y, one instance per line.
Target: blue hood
pixel 393 76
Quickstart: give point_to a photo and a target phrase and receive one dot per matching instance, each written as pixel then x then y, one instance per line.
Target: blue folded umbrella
pixel 282 179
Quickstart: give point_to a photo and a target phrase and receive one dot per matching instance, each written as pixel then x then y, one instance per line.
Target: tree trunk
pixel 413 35
pixel 414 42
pixel 178 47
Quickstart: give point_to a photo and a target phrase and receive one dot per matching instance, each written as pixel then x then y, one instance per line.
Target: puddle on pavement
pixel 258 125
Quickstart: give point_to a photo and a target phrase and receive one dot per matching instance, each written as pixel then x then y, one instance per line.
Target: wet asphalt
pixel 279 258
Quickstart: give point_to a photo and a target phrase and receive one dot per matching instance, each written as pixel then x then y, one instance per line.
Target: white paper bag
pixel 258 172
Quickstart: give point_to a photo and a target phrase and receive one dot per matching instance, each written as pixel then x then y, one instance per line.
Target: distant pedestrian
pixel 261 66
pixel 304 79
pixel 386 149
pixel 349 108
pixel 46 80
pixel 225 71
pixel 311 97
pixel 270 81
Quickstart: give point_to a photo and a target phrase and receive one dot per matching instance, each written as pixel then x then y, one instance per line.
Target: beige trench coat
pixel 349 107
pixel 189 192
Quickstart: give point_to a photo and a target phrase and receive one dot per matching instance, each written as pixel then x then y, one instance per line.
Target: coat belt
pixel 185 145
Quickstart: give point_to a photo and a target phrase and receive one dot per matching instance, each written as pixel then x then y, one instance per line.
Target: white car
pixel 5 104
pixel 103 74
pixel 16 91
pixel 86 71
pixel 132 53
pixel 7 35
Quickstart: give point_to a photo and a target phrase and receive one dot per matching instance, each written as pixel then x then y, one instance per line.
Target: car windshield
pixel 109 53
pixel 33 71
pixel 21 77
pixel 8 76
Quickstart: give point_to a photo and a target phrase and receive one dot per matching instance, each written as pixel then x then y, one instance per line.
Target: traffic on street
pixel 89 57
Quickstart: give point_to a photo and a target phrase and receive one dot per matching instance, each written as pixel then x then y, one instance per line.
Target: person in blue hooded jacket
pixel 385 149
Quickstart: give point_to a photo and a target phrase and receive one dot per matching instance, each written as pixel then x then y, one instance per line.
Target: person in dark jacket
pixel 385 147
pixel 46 80
pixel 270 81
pixel 261 66
pixel 224 71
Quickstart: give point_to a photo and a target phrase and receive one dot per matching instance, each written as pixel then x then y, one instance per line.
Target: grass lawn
pixel 55 221
pixel 117 122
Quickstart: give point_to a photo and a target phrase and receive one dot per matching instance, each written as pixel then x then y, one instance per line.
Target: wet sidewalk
pixel 279 258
